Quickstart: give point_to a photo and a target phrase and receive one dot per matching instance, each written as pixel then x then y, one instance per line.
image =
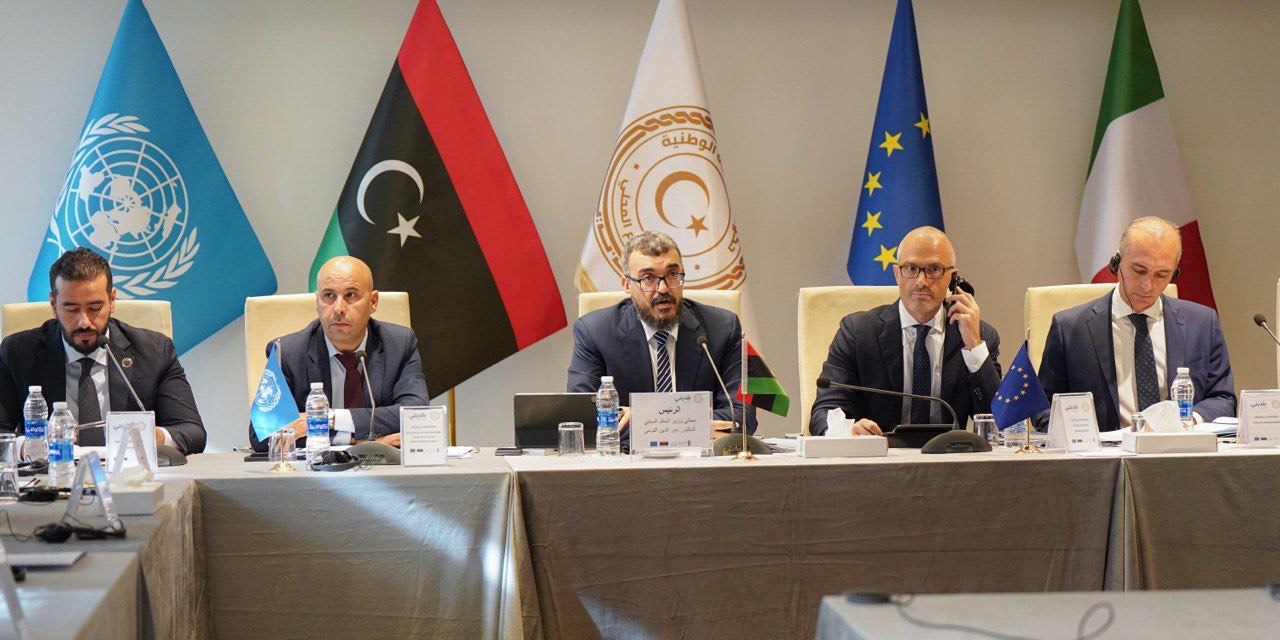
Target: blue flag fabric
pixel 146 191
pixel 1020 395
pixel 899 188
pixel 273 405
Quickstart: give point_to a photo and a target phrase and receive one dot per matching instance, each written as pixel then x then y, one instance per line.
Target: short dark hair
pixel 649 243
pixel 80 264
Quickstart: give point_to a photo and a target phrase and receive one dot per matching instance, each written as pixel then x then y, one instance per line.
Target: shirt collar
pixel 333 351
pixel 908 322
pixel 1120 310
pixel 99 355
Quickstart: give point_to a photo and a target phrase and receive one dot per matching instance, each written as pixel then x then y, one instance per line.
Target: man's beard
pixel 70 338
pixel 660 324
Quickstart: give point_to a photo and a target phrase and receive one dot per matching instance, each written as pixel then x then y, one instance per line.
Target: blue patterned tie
pixel 1144 363
pixel 663 381
pixel 921 376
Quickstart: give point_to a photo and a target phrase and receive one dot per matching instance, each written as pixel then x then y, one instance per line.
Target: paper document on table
pixel 1111 437
pixel 460 452
pixel 782 444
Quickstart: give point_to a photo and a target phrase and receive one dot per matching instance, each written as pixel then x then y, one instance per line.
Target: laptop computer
pixel 538 417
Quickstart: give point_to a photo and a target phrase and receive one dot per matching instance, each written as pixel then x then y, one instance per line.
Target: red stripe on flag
pixel 1193 271
pixel 442 89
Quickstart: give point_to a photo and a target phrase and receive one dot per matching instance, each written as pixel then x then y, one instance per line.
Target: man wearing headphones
pixel 1126 347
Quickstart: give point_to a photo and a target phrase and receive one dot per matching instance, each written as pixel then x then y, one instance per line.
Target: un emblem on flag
pixel 125 197
pixel 268 395
pixel 665 176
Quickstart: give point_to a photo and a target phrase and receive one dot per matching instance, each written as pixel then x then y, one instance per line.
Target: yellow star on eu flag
pixel 924 125
pixel 890 144
pixel 872 223
pixel 873 183
pixel 887 257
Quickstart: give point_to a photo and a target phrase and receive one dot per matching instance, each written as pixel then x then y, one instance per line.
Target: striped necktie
pixel 662 381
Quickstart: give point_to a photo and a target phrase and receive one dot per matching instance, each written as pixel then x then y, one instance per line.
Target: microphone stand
pixel 371 450
pixel 823 383
pixel 745 454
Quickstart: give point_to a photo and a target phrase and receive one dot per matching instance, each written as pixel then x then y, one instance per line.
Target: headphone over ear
pixel 1114 267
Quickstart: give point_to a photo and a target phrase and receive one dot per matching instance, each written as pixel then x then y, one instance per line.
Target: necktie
pixel 87 402
pixel 662 383
pixel 352 382
pixel 921 376
pixel 1144 363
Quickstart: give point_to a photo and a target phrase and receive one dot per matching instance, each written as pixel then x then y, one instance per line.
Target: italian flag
pixel 1134 170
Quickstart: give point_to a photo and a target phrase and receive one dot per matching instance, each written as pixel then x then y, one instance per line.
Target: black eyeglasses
pixel 650 283
pixel 932 272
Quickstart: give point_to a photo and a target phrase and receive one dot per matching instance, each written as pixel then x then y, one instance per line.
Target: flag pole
pixel 1027 447
pixel 745 454
pixel 451 401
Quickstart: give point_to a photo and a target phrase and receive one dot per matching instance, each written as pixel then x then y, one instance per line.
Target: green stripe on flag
pixel 770 387
pixel 331 245
pixel 1133 80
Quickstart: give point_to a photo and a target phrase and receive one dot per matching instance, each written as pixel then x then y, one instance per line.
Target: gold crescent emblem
pixel 660 193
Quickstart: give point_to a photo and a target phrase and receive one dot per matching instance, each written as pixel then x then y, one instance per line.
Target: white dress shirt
pixel 1123 335
pixel 342 422
pixel 649 332
pixel 98 374
pixel 973 358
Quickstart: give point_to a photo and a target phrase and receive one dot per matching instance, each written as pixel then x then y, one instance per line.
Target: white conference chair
pixel 148 314
pixel 725 299
pixel 820 311
pixel 1042 302
pixel 269 317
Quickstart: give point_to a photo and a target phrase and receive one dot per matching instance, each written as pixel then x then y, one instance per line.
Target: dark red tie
pixel 352 387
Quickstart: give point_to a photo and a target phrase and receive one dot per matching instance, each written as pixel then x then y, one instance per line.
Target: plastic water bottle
pixel 317 420
pixel 1183 391
pixel 35 414
pixel 62 438
pixel 608 441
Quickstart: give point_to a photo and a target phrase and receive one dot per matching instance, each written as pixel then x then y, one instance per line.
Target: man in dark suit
pixel 327 349
pixel 915 345
pixel 649 342
pixel 1126 346
pixel 63 357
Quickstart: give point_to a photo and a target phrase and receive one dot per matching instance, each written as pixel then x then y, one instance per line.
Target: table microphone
pixel 749 443
pixel 163 451
pixel 824 383
pixel 371 451
pixel 1261 321
pixel 955 440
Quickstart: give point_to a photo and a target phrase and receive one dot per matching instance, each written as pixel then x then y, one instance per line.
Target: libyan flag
pixel 432 207
pixel 760 388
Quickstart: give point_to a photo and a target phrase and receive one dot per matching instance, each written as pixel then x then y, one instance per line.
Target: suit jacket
pixel 1078 357
pixel 395 373
pixel 867 352
pixel 37 356
pixel 611 342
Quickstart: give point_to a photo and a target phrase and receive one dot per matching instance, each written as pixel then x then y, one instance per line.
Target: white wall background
pixel 285 89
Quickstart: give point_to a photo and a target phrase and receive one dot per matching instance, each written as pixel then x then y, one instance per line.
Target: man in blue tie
pixel 1126 346
pixel 916 345
pixel 649 341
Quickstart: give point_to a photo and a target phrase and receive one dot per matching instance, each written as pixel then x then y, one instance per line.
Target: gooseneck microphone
pixel 102 342
pixel 702 342
pixel 824 383
pixel 373 404
pixel 1261 321
pixel 371 451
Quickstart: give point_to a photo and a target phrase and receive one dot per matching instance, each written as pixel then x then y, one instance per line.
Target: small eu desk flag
pixel 899 188
pixel 1020 395
pixel 273 405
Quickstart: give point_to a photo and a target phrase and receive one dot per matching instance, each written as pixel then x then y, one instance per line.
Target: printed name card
pixel 423 441
pixel 121 441
pixel 1259 418
pixel 1073 424
pixel 670 420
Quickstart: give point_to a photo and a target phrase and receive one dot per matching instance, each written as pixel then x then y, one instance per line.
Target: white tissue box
pixel 1171 442
pixel 854 447
pixel 140 500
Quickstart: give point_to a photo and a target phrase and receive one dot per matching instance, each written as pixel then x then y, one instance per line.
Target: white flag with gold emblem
pixel 665 174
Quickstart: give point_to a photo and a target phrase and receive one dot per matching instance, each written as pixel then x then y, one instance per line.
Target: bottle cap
pixel 604 379
pixel 59 406
pixel 35 388
pixel 1184 370
pixel 317 386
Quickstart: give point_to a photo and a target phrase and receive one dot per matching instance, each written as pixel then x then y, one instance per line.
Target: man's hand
pixel 159 435
pixel 966 315
pixel 299 427
pixel 392 439
pixel 624 416
pixel 865 427
pixel 721 427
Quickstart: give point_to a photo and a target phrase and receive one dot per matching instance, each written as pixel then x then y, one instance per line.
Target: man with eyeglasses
pixel 649 341
pixel 915 345
pixel 1126 346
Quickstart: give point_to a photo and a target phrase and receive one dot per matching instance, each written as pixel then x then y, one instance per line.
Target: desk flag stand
pixel 1027 447
pixel 745 455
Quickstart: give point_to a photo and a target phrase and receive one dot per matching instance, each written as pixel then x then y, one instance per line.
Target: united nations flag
pixel 145 190
pixel 1020 395
pixel 273 406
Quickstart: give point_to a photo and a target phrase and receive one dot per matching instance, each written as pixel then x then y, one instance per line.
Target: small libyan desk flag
pixel 432 207
pixel 760 388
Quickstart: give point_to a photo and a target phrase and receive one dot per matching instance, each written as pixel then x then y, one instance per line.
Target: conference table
pixel 543 546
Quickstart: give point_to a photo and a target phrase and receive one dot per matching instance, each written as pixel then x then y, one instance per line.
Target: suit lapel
pixel 1175 340
pixel 689 357
pixel 376 362
pixel 121 399
pixel 634 349
pixel 951 365
pixel 52 361
pixel 318 361
pixel 1099 324
pixel 889 335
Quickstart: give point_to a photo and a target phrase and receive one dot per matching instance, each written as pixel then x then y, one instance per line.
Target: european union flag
pixel 273 405
pixel 1020 395
pixel 900 185
pixel 146 191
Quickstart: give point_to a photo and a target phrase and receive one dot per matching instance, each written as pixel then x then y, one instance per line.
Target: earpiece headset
pixel 61 532
pixel 1114 267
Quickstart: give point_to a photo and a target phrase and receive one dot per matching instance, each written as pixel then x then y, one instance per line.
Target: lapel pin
pixel 127 362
